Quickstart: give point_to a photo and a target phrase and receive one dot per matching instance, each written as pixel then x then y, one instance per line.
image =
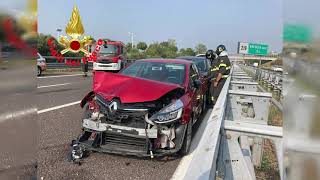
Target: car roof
pixel 193 58
pixel 178 61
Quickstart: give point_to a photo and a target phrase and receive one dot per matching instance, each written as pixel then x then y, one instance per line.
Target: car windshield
pixel 109 49
pixel 158 71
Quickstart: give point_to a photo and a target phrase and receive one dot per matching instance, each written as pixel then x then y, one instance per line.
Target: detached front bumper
pixel 107 138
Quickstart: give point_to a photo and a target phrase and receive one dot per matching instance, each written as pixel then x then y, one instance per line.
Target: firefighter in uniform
pixel 210 54
pixel 223 66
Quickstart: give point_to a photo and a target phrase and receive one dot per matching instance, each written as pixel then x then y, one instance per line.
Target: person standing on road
pixel 224 66
pixel 210 54
pixel 85 67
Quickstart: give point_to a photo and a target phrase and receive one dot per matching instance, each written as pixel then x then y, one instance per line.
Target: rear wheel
pixel 204 105
pixel 187 140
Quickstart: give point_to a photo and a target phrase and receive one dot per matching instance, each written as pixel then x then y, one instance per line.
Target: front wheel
pixel 39 72
pixel 187 140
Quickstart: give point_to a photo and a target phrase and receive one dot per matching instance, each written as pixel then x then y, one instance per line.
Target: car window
pixel 208 63
pixel 193 75
pixel 132 70
pixel 200 62
pixel 158 71
pixel 201 65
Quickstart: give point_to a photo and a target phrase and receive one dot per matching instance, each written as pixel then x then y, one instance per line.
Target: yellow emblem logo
pixel 75 30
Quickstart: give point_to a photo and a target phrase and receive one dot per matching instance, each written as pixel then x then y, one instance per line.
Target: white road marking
pixel 69 75
pixel 54 85
pixel 17 114
pixel 58 107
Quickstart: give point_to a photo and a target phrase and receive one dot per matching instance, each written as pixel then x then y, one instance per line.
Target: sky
pixel 189 22
pixel 305 12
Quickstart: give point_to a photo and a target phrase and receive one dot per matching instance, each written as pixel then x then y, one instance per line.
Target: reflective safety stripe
pixel 225 76
pixel 215 69
pixel 222 65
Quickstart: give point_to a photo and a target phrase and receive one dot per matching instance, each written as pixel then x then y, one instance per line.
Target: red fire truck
pixel 111 56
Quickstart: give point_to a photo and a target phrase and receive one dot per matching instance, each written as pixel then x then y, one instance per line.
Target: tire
pixel 204 105
pixel 39 72
pixel 186 140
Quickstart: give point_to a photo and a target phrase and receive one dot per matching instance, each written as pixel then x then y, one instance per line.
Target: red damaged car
pixel 147 109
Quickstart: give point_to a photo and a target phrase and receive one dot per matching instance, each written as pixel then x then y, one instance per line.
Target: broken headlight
pixel 169 113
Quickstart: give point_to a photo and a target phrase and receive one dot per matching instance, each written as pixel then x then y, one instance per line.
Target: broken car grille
pixel 127 118
pixel 115 114
pixel 115 141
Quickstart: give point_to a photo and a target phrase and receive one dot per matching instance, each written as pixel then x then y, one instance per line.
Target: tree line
pixel 141 50
pixel 165 49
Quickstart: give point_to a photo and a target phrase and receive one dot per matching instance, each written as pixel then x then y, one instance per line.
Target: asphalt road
pixel 59 125
pixel 35 146
pixel 18 121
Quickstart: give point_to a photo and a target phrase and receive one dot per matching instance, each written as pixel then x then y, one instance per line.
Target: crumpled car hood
pixel 129 89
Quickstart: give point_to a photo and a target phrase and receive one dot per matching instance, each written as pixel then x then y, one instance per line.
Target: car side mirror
pixel 197 83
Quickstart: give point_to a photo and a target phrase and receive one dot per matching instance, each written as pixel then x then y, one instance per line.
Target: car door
pixel 196 92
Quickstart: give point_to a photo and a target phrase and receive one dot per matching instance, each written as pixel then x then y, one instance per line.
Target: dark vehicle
pixel 204 65
pixel 147 109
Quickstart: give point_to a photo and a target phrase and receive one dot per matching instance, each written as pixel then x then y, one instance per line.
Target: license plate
pixel 152 133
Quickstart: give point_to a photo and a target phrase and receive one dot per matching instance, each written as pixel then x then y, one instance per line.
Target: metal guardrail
pixel 219 154
pixel 273 81
pixel 52 62
pixel 203 160
pixel 271 78
pixel 246 120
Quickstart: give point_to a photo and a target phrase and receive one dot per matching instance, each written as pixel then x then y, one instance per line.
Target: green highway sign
pixel 297 33
pixel 258 49
pixel 252 48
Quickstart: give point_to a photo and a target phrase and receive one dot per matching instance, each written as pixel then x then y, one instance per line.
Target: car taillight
pixel 115 59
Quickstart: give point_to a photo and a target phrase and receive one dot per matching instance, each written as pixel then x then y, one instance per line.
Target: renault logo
pixel 113 106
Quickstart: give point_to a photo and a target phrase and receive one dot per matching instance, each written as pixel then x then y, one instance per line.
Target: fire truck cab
pixel 111 56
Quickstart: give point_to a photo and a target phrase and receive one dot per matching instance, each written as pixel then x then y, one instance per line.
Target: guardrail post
pixel 262 131
pixel 249 106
